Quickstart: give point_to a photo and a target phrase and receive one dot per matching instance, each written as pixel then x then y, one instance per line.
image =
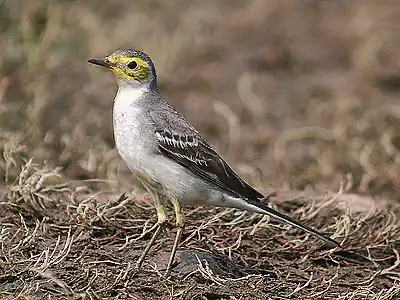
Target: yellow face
pixel 125 68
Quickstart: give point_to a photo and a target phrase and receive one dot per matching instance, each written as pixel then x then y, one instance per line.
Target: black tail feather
pixel 275 214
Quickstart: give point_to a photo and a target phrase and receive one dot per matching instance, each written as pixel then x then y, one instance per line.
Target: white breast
pixel 130 127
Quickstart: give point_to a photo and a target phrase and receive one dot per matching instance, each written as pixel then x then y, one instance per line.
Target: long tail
pixel 275 214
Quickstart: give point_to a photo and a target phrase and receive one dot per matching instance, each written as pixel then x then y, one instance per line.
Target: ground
pixel 300 97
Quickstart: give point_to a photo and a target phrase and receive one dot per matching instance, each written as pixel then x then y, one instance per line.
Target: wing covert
pixel 197 156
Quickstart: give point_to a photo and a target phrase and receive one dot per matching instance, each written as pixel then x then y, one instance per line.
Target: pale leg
pixel 179 224
pixel 162 219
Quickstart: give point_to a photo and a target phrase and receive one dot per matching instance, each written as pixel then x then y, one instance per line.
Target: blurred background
pixel 292 93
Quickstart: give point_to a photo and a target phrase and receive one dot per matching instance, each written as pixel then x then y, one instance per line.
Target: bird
pixel 168 157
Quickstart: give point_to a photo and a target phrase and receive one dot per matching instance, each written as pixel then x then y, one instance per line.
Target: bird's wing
pixel 179 141
pixel 198 157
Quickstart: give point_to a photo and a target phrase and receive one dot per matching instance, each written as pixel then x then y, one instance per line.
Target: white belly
pixel 132 135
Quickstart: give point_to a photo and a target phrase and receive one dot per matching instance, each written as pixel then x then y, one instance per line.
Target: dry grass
pixel 297 95
pixel 65 239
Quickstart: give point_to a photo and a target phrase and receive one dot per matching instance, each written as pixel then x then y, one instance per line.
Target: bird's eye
pixel 132 65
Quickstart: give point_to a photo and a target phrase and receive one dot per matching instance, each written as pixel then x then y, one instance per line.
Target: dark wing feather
pixel 198 157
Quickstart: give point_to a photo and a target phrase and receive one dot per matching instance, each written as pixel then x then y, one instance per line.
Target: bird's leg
pixel 162 219
pixel 179 224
